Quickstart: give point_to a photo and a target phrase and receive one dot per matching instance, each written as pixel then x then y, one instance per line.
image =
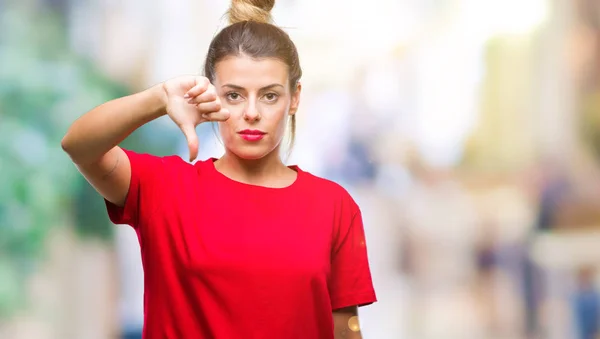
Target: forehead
pixel 250 73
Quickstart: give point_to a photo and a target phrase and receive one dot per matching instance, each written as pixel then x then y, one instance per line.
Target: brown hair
pixel 251 33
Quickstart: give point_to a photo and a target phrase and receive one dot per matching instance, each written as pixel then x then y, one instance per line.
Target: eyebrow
pixel 242 88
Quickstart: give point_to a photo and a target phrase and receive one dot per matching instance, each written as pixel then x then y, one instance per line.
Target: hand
pixel 192 100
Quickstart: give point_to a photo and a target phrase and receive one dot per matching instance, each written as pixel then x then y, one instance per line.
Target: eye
pixel 232 96
pixel 271 97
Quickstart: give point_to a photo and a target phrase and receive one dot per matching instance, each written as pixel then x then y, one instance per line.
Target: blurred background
pixel 467 130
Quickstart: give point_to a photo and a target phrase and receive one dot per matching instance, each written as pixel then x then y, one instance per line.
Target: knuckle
pixel 204 81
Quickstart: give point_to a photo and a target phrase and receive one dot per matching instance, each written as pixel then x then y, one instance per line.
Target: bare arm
pixel 92 140
pixel 345 323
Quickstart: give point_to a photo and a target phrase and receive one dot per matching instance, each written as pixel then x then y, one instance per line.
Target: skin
pixel 246 94
pixel 345 323
pixel 258 96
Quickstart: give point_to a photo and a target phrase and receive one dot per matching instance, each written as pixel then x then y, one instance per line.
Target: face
pixel 260 101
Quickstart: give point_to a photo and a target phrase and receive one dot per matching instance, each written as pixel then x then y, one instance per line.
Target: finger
pixel 209 107
pixel 202 84
pixel 210 94
pixel 221 115
pixel 189 131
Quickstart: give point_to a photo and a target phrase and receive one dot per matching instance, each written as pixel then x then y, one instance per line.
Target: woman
pixel 242 246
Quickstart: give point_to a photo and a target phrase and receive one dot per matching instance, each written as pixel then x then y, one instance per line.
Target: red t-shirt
pixel 224 259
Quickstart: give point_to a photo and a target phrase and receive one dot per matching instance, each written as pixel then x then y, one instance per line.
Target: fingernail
pixel 186 96
pixel 205 116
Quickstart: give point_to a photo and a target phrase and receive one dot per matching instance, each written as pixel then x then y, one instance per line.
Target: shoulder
pixel 146 164
pixel 150 158
pixel 326 190
pixel 324 185
pixel 205 169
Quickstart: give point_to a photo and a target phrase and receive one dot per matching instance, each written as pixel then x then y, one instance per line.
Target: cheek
pixel 279 111
pixel 226 129
pixel 277 117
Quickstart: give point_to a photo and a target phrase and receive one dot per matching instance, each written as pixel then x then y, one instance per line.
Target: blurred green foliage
pixel 44 87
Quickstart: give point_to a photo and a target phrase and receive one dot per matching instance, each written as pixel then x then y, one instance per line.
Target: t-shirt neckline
pixel 223 177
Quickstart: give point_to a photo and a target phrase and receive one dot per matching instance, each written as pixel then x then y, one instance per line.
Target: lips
pixel 251 134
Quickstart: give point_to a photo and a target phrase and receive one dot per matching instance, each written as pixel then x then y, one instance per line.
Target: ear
pixel 295 99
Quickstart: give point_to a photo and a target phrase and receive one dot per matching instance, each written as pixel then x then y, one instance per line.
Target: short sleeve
pixel 351 283
pixel 144 170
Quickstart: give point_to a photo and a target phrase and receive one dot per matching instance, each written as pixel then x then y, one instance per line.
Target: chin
pixel 250 153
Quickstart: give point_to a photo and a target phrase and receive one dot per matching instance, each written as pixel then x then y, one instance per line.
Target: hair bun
pixel 250 10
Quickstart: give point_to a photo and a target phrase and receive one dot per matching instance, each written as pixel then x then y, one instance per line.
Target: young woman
pixel 242 246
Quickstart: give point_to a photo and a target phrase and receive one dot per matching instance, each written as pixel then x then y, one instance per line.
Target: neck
pixel 255 171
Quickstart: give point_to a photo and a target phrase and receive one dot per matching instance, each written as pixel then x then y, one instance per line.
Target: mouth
pixel 252 134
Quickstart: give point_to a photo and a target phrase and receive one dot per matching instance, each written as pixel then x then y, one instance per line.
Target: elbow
pixel 69 146
pixel 66 144
pixel 76 148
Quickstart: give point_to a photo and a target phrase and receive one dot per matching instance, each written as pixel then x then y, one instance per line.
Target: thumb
pixel 189 131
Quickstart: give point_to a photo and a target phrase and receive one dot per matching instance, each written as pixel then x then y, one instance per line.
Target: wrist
pixel 158 99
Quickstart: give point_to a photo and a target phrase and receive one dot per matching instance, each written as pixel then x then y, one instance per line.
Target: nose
pixel 251 113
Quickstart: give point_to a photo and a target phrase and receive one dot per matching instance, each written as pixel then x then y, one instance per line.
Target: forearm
pixel 105 126
pixel 345 324
pixel 347 334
